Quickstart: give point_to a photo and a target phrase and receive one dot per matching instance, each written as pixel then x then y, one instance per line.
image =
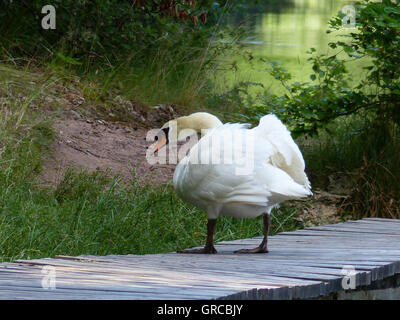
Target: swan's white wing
pixel 280 184
pixel 218 181
pixel 277 168
pixel 286 155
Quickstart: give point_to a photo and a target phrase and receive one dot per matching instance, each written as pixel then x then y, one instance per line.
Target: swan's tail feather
pixel 287 155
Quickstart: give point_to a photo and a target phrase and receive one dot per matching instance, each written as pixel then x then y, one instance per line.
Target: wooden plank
pixel 206 277
pixel 279 280
pixel 388 224
pixel 391 230
pixel 287 281
pixel 270 268
pixel 96 284
pixel 17 292
pixel 301 264
pixel 353 230
pixel 381 220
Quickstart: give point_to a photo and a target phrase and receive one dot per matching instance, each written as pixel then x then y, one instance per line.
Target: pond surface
pixel 283 32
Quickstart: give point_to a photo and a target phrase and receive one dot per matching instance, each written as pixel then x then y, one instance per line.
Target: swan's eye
pixel 156 138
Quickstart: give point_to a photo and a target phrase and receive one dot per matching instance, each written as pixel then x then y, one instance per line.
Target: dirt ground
pixel 98 144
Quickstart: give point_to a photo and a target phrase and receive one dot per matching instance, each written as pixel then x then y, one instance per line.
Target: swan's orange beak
pixel 162 143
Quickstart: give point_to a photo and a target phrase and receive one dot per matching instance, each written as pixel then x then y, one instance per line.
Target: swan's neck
pixel 198 121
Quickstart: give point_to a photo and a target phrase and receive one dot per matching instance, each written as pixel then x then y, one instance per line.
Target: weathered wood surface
pixel 302 264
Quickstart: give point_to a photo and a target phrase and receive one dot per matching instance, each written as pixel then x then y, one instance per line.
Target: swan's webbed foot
pixel 205 250
pixel 262 248
pixel 255 250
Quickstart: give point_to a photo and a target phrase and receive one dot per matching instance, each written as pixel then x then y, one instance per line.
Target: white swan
pixel 244 173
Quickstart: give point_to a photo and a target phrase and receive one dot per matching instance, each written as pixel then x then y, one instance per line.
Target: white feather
pixel 272 163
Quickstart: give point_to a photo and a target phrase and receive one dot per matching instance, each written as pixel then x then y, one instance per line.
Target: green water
pixel 283 32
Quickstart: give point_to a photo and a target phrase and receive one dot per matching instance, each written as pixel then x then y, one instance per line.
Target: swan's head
pixel 175 130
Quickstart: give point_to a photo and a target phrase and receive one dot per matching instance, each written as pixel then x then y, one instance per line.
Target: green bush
pixel 332 93
pixel 333 101
pixel 103 29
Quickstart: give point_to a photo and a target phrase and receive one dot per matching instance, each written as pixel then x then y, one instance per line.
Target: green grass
pixel 91 214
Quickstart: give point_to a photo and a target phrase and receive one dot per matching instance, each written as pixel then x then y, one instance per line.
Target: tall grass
pixel 365 157
pixel 177 73
pixel 93 214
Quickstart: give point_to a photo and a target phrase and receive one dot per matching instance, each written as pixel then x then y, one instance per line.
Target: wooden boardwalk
pixel 302 264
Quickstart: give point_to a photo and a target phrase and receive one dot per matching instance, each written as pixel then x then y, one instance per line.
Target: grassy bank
pixel 78 218
pixel 86 213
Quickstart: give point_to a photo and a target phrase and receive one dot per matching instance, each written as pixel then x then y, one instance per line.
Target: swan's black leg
pixel 209 247
pixel 262 248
